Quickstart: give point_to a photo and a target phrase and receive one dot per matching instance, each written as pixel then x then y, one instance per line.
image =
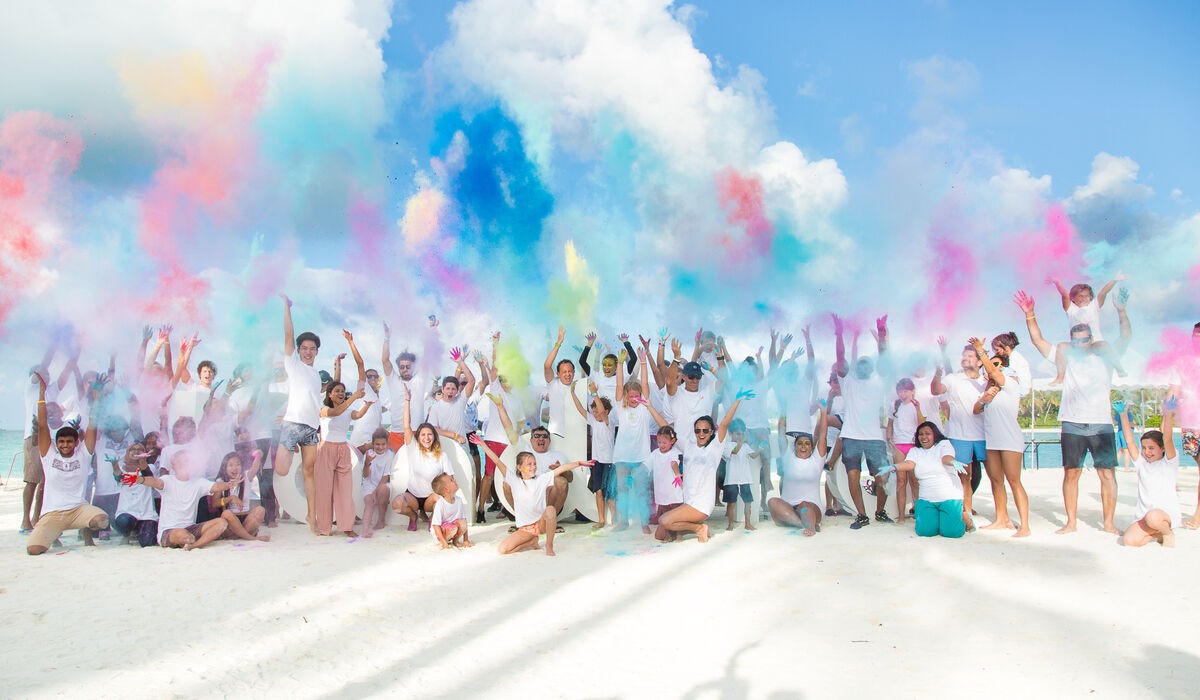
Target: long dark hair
pixel 937 433
pixel 329 390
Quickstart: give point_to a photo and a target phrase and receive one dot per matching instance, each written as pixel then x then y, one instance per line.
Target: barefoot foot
pixel 1065 529
pixel 264 538
pixel 1168 538
pixel 702 533
pixel 1021 532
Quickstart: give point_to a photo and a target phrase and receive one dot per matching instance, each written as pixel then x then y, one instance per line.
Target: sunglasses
pixel 702 431
pixel 541 437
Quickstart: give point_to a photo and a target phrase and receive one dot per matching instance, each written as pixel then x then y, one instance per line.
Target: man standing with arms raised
pixel 404 381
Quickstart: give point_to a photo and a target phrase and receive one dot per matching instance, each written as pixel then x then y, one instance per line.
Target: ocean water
pixel 10 445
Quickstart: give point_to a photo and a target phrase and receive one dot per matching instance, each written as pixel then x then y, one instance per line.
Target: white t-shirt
pixel 546 460
pixel 837 407
pixel 753 412
pixel 665 491
pixel 1019 367
pixel 864 401
pixel 106 449
pixel 304 392
pixel 937 481
pixel 558 395
pixel 187 401
pixel 662 403
pixel 687 406
pixel 528 495
pixel 797 399
pixel 31 399
pixel 66 478
pixel 1089 314
pixel 493 429
pixel 448 512
pixel 1000 427
pixel 336 428
pixel 423 469
pixel 258 421
pixel 961 393
pixel 605 386
pixel 364 427
pixel 603 438
pixel 420 391
pixel 381 466
pixel 801 480
pixel 738 465
pixel 1085 389
pixel 631 446
pixel 137 500
pixel 931 406
pixel 450 415
pixel 1156 487
pixel 700 473
pixel 904 424
pixel 179 501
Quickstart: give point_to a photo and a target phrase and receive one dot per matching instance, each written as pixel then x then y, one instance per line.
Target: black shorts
pixel 731 491
pixel 1103 448
pixel 603 479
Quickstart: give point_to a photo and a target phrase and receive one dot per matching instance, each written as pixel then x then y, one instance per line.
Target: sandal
pixel 559 530
pixel 512 528
pixel 860 522
pixel 829 512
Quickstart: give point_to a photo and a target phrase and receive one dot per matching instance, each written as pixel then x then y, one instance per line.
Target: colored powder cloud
pixel 572 302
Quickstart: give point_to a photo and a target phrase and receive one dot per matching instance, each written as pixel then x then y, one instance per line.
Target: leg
pixel 147 533
pixel 234 527
pixel 1108 498
pixel 405 504
pixel 462 535
pixel 518 541
pixel 902 479
pixel 27 495
pixel 320 500
pixel 995 472
pixel 748 500
pixel 556 495
pixel 783 513
pixel 209 532
pixel 45 532
pixel 730 505
pixel 382 493
pixel 927 516
pixel 485 488
pixel 308 463
pixel 253 522
pixel 810 515
pixel 854 477
pixel 1011 462
pixel 549 522
pixel 124 524
pixel 343 494
pixel 950 519
pixel 685 519
pixel 1070 491
pixel 369 507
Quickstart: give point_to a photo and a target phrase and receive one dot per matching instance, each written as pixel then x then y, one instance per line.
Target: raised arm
pixel 724 427
pixel 575 397
pixel 1025 302
pixel 821 433
pixel 387 350
pixel 358 360
pixel 1126 335
pixel 839 344
pixel 1108 288
pixel 44 439
pixel 485 375
pixel 1131 443
pixel 993 372
pixel 620 392
pixel 655 370
pixel 583 354
pixel 563 469
pixel 475 439
pixel 696 350
pixel 408 432
pixel 505 420
pixel 460 360
pixel 289 333
pixel 630 353
pixel 1168 428
pixel 1062 292
pixel 548 366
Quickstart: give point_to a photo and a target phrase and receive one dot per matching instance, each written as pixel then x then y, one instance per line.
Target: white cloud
pixel 1112 177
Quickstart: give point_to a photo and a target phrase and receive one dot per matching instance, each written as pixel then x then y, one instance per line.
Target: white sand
pixel 876 613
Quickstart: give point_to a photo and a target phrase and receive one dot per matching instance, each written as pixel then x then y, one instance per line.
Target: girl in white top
pixel 902 424
pixel 1005 444
pixel 602 480
pixel 376 482
pixel 448 521
pixel 631 448
pixel 334 485
pixel 666 469
pixel 1157 468
pixel 425 461
pixel 702 453
pixel 533 516
pixel 233 504
pixel 800 486
pixel 939 510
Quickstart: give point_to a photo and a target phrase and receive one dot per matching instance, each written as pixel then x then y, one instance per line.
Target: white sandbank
pixel 875 613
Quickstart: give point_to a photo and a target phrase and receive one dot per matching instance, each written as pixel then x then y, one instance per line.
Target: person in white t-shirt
pixel 702 454
pixel 902 422
pixel 404 381
pixel 136 520
pixel 1157 465
pixel 1083 308
pixel 605 381
pixel 426 460
pixel 365 427
pixel 939 510
pixel 66 464
pixel 741 467
pixel 376 482
pixel 449 411
pixel 961 392
pixel 666 468
pixel 1085 414
pixel 862 433
pixel 234 504
pixel 495 434
pixel 448 521
pixel 798 502
pixel 334 499
pixel 300 428
pixel 635 417
pixel 999 406
pixel 181 492
pixel 559 379
pixel 31 498
pixel 528 490
pixel 602 480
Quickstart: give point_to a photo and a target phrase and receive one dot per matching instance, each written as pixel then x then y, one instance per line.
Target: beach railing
pixel 11 464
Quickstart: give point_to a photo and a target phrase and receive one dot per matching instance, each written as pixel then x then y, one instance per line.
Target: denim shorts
pixel 967 451
pixel 293 435
pixel 731 492
pixel 853 452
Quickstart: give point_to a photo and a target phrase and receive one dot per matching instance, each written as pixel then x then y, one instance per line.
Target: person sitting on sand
pixel 181 493
pixel 448 521
pixel 800 486
pixel 939 510
pixel 137 519
pixel 376 482
pixel 233 505
pixel 528 488
pixel 426 460
pixel 1157 467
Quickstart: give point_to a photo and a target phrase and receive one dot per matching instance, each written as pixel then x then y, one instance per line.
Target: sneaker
pixel 860 522
pixel 883 517
pixel 829 512
pixel 495 507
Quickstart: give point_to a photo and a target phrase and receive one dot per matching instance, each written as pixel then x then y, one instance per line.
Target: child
pixel 533 516
pixel 180 495
pixel 800 486
pixel 1083 308
pixel 901 431
pixel 741 460
pixel 602 481
pixel 377 482
pixel 136 516
pixel 667 473
pixel 1157 469
pixel 233 505
pixel 448 522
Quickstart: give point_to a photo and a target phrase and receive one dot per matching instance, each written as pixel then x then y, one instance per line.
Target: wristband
pixel 1029 317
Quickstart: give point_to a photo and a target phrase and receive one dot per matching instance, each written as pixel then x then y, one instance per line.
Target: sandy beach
pixel 768 614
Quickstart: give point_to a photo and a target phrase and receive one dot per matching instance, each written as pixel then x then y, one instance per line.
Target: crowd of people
pixel 169 454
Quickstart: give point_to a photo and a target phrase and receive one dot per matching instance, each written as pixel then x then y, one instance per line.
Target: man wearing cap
pixel 690 396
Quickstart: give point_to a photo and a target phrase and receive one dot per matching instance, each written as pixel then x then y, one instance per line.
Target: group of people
pixel 171 457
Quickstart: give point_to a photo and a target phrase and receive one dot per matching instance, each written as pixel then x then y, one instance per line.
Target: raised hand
pixel 474 439
pixel 838 325
pixel 286 301
pixel 480 358
pixel 41 380
pixel 643 354
pixel 1171 404
pixel 942 342
pixel 338 360
pixel 676 347
pixel 977 343
pixel 1024 301
pixel 1122 298
pixel 1120 277
pixel 495 337
pixel 592 388
pixel 787 339
pixel 195 340
pixel 591 338
pixel 698 334
pixel 881 326
pixel 622 356
pixel 624 338
pixel 644 341
pixel 561 334
pixel 387 331
pixel 493 398
pixel 348 335
pixel 807 331
pixel 798 352
pixel 164 335
pixel 147 333
pixel 129 478
pixel 774 334
pixel 746 393
pixel 1119 407
pixel 456 354
pixel 663 334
